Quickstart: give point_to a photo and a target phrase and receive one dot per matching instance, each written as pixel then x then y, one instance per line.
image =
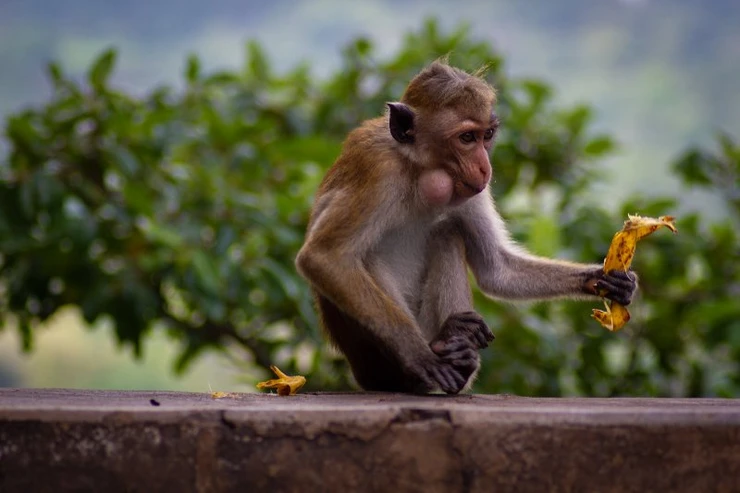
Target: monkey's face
pixel 456 152
pixel 468 145
pixel 445 121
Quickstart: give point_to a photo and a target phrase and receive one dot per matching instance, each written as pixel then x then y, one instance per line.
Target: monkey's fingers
pixel 470 323
pixel 457 355
pixel 482 334
pixel 441 379
pixel 484 337
pixel 467 360
pixel 623 279
pixel 617 286
pixel 450 381
pixel 444 348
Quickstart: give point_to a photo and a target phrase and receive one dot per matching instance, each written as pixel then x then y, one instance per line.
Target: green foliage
pixel 185 209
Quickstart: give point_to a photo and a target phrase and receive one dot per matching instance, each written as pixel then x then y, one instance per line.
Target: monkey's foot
pixel 433 372
pixel 468 325
pixel 458 352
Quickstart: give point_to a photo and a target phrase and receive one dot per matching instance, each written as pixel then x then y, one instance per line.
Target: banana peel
pixel 619 257
pixel 285 384
pixel 221 395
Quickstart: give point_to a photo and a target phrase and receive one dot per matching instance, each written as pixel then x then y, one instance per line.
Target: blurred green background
pixel 159 160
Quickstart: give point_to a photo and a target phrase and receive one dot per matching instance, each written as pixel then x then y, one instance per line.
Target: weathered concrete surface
pixel 63 440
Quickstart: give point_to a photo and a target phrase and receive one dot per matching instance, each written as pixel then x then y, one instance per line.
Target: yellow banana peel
pixel 221 395
pixel 619 257
pixel 285 384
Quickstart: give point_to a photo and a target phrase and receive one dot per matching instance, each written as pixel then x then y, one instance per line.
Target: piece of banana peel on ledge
pixel 619 257
pixel 285 384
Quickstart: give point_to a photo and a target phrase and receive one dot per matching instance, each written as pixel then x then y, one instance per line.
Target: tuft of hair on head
pixel 441 85
pixel 482 71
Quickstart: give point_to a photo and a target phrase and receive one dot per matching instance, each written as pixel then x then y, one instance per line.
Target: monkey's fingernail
pixel 438 346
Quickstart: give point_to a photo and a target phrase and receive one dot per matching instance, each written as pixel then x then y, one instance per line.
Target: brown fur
pixel 441 86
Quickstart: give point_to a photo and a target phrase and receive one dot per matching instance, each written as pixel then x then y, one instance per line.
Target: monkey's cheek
pixel 436 187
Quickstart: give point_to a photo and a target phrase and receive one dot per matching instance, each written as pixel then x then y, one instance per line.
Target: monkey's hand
pixel 468 325
pixel 616 285
pixel 459 354
pixel 457 344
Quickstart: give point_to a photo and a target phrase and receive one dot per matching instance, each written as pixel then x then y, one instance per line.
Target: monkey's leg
pixel 455 331
pixel 373 365
pixel 446 307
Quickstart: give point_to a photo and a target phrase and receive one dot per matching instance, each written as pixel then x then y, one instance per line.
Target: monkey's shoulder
pixel 369 158
pixel 370 142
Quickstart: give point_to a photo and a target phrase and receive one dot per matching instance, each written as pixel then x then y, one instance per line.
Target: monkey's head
pixel 446 119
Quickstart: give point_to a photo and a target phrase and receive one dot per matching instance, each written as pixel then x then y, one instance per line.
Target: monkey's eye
pixel 467 137
pixel 489 134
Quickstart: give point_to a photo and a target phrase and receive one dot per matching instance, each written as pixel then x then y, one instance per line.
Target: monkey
pixel 396 223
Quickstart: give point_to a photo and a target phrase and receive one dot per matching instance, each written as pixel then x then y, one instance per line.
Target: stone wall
pixel 63 440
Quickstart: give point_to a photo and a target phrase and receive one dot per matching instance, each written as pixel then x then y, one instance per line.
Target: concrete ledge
pixel 65 440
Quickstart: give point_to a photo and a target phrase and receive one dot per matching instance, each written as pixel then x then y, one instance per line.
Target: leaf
pixel 220 78
pixel 692 167
pixel 206 272
pixel 192 69
pixel 55 73
pixel 164 235
pixel 577 119
pixel 139 198
pixel 125 159
pixel 728 147
pixel 598 146
pixel 538 92
pixel 24 327
pixel 257 64
pixel 363 47
pixel 21 131
pixel 285 278
pixel 101 69
pixel 27 198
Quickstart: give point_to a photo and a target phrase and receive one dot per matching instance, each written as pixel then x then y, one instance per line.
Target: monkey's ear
pixel 401 123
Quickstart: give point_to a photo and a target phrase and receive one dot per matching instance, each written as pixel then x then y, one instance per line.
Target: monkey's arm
pixel 505 270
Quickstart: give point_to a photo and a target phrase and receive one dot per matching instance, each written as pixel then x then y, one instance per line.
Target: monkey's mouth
pixel 467 190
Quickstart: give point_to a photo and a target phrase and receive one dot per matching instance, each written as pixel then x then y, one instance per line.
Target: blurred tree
pixel 185 210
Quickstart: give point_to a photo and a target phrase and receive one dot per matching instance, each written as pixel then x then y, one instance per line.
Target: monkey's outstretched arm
pixel 505 270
